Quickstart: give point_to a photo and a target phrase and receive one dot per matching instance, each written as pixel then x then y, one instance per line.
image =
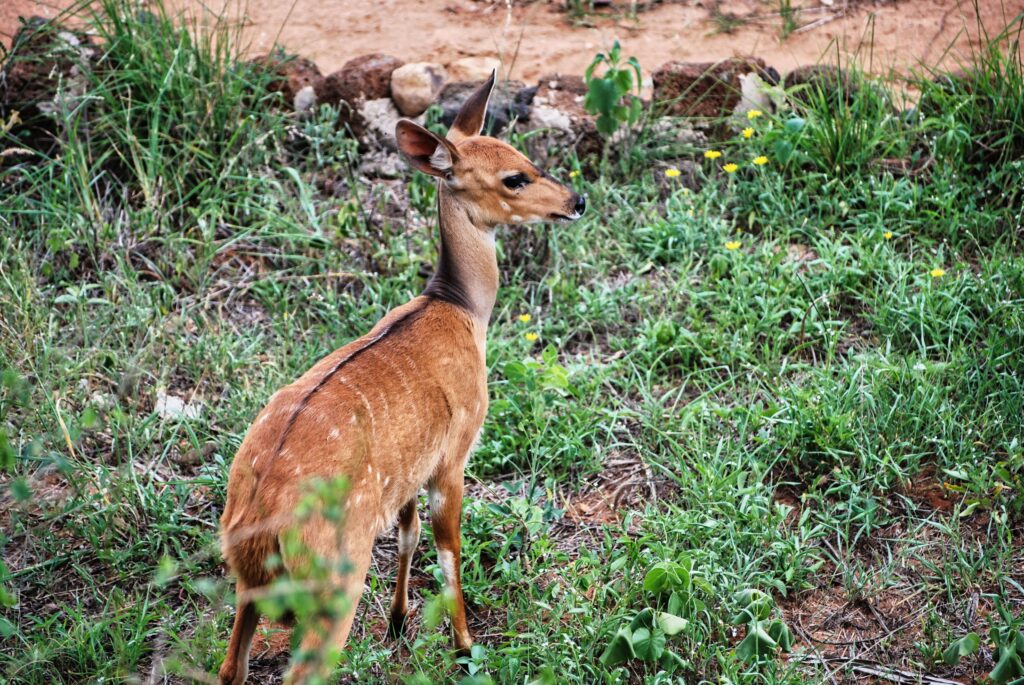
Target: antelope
pixel 397 409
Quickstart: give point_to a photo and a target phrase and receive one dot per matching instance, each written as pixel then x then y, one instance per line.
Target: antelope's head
pixel 495 182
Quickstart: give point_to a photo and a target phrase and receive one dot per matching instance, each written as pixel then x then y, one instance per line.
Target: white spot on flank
pixel 386 481
pixel 516 217
pixel 333 435
pixel 369 468
pixel 264 418
pixel 353 419
pixel 447 562
pixel 504 205
pixel 359 498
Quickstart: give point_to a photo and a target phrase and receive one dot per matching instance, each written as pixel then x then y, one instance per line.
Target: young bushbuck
pixel 395 410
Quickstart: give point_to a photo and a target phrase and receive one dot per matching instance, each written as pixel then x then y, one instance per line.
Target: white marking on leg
pixel 436 499
pixel 446 560
pixel 408 538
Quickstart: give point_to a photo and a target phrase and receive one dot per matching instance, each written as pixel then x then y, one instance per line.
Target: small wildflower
pixel 672 172
pixel 525 318
pixel 712 154
pixel 732 245
pixel 574 173
pixel 748 132
pixel 887 235
pixel 531 336
pixel 730 168
pixel 754 113
pixel 937 272
pixel 760 161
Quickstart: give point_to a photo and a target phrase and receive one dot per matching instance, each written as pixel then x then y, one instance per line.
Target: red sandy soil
pixel 538 37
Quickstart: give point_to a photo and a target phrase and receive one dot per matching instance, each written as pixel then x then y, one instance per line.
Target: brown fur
pixel 393 411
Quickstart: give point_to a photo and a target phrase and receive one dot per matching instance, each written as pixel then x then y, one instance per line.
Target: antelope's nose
pixel 581 204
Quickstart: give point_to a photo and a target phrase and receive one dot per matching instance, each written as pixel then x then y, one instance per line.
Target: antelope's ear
pixel 470 120
pixel 423 150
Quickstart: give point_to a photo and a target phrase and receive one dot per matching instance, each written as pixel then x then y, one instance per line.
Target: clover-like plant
pixel 765 635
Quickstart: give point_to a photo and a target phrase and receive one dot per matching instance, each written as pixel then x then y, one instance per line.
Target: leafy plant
pixel 1008 638
pixel 610 96
pixel 765 635
pixel 645 637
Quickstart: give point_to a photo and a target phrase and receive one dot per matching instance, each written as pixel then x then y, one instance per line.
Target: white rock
pixel 545 116
pixel 304 100
pixel 174 407
pixel 415 86
pixel 381 116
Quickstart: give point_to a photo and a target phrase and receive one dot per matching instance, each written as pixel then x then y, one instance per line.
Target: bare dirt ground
pixel 535 38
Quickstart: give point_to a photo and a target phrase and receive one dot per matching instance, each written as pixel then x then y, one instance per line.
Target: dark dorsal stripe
pixel 399 324
pixel 446 284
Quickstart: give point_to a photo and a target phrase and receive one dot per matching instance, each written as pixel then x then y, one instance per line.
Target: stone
pixel 173 407
pixel 473 68
pixel 379 119
pixel 711 89
pixel 415 86
pixel 291 75
pixel 558 106
pixel 46 66
pixel 509 100
pixel 360 79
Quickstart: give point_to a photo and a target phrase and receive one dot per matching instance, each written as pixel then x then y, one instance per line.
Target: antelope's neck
pixel 467 271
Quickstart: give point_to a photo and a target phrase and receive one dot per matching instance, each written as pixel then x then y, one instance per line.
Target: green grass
pixel 811 414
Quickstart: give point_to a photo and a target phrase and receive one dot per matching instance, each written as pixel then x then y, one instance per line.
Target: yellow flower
pixel 712 154
pixel 531 336
pixel 748 132
pixel 754 113
pixel 525 318
pixel 887 235
pixel 732 245
pixel 672 172
pixel 574 173
pixel 730 168
pixel 937 272
pixel 760 161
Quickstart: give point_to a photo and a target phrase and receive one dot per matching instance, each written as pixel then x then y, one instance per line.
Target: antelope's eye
pixel 515 181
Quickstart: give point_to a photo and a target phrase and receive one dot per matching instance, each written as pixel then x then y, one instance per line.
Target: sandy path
pixel 537 38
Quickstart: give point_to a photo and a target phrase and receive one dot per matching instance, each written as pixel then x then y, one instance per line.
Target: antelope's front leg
pixel 445 520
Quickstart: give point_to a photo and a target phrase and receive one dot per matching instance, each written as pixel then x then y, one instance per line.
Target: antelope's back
pixel 378 411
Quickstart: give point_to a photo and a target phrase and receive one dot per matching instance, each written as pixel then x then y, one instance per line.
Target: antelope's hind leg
pixel 446 521
pixel 408 538
pixel 236 663
pixel 324 637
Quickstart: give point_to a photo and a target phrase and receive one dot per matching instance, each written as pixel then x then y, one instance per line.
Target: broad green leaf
pixel 671 661
pixel 966 645
pixel 644 619
pixel 1007 668
pixel 779 632
pixel 619 649
pixel 756 644
pixel 672 624
pixel 648 644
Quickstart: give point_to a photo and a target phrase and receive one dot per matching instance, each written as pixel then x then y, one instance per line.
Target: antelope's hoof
pixel 396 626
